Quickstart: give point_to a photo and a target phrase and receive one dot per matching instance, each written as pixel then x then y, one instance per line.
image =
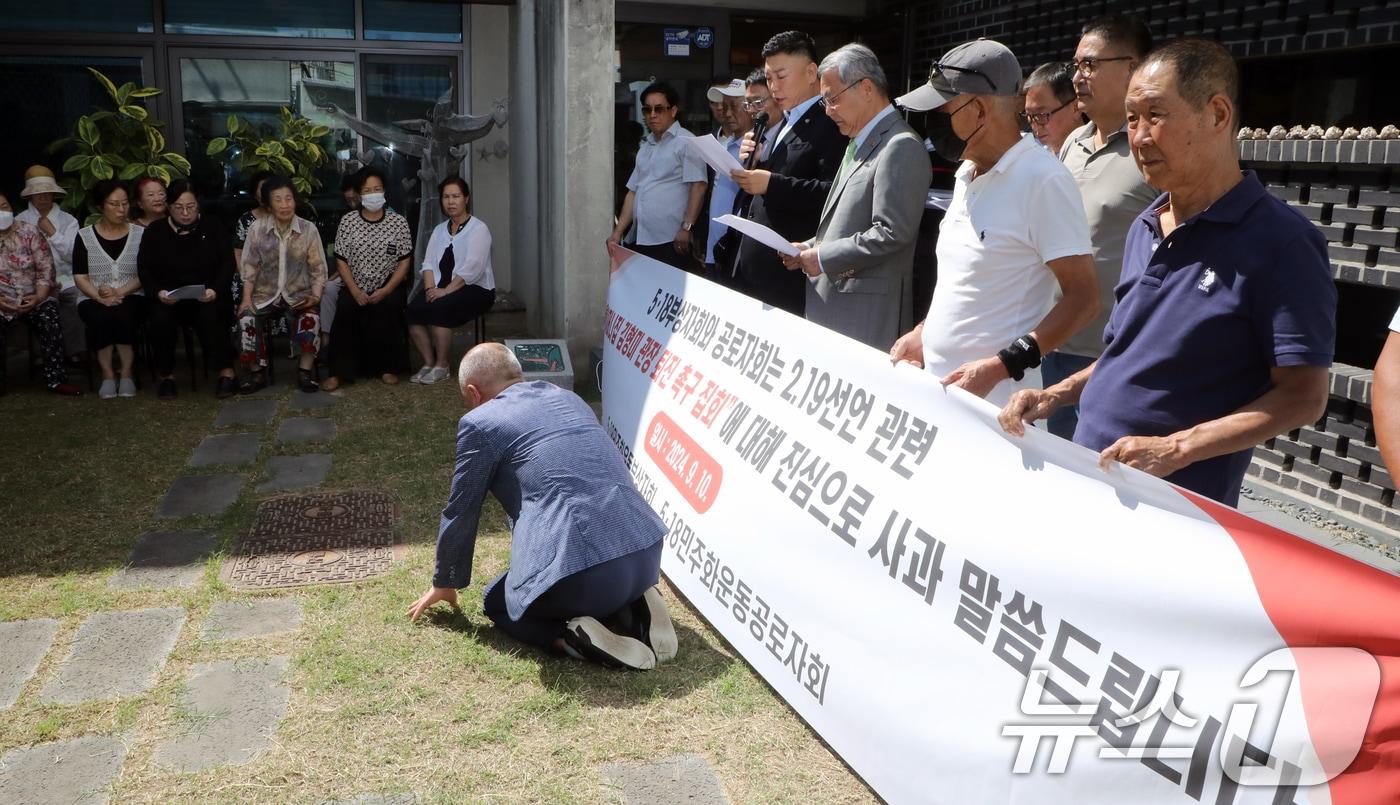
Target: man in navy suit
pixel 585 547
pixel 792 179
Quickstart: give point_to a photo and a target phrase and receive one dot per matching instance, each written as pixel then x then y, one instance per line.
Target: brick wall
pixel 1041 30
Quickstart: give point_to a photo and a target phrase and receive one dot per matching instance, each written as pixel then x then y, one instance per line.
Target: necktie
pixel 846 161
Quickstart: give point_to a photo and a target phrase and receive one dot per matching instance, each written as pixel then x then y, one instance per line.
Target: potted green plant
pixel 293 149
pixel 124 142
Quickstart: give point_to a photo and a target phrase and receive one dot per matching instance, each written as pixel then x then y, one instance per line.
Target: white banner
pixel 964 616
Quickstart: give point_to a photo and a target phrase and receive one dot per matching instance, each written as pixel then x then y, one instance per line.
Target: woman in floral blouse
pixel 28 293
pixel 284 271
pixel 373 247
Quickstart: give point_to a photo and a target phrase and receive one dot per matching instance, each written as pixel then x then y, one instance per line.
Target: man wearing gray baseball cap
pixel 1014 231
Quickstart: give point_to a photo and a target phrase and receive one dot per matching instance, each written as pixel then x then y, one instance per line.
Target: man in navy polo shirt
pixel 1225 318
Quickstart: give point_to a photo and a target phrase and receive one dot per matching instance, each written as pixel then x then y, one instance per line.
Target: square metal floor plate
pixel 319 538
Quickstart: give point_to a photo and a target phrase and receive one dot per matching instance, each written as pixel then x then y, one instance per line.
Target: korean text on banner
pixel 937 599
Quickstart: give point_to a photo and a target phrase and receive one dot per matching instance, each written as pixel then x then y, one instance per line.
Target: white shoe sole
pixel 595 641
pixel 662 633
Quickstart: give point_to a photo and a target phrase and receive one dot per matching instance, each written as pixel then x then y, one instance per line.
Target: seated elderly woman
pixel 29 294
pixel 284 273
pixel 373 248
pixel 186 265
pixel 150 201
pixel 104 269
pixel 458 285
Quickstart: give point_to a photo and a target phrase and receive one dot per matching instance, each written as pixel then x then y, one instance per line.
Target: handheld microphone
pixel 760 122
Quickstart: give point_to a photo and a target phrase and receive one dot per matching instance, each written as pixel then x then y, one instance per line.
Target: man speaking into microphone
pixel 790 183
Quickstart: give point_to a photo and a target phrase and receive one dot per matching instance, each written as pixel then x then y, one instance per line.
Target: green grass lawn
pixel 449 708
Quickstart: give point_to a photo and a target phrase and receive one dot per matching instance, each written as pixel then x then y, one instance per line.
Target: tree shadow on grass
pixel 697 662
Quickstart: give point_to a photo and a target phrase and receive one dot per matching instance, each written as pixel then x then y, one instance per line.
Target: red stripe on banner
pixel 1318 597
pixel 617 255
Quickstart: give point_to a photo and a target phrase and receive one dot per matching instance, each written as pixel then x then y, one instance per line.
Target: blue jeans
pixel 1056 367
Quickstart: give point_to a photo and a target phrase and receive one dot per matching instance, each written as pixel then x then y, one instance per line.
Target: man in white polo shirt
pixel 1014 229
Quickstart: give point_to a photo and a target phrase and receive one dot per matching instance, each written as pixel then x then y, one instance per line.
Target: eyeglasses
pixel 191 207
pixel 1043 118
pixel 119 204
pixel 939 67
pixel 1090 64
pixel 654 110
pixel 755 104
pixel 830 103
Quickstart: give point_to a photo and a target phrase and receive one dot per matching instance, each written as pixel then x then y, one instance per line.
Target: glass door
pixel 400 93
pixel 46 94
pixel 209 85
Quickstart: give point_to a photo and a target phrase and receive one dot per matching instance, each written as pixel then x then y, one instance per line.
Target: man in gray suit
pixel 860 263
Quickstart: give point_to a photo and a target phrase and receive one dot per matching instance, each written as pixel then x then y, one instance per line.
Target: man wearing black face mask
pixel 1014 230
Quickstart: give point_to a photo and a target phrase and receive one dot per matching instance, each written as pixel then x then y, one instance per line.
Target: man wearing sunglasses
pixel 1114 192
pixel 667 187
pixel 1015 228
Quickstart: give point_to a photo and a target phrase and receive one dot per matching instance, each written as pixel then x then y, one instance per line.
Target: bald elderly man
pixel 585 552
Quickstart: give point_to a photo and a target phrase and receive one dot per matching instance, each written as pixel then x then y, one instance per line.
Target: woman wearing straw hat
pixel 60 229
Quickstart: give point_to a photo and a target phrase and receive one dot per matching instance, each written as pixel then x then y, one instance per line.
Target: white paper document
pixel 760 233
pixel 715 154
pixel 186 292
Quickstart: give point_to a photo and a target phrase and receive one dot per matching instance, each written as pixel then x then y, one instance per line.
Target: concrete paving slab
pixel 191 495
pixel 231 709
pixel 167 560
pixel 301 401
pixel 244 413
pixel 681 780
pixel 116 654
pixel 305 430
pixel 77 770
pixel 296 472
pixel 26 643
pixel 238 620
pixel 226 449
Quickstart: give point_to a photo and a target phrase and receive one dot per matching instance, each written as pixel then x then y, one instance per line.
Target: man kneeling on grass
pixel 585 547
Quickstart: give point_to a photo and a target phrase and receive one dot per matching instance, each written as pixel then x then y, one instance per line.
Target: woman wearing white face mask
pixel 373 248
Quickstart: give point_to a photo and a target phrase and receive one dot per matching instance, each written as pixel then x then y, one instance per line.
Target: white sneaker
pixel 126 388
pixel 422 373
pixel 438 373
pixel 107 390
pixel 592 640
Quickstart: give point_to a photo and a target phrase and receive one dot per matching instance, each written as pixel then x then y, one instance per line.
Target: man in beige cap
pixel 60 229
pixel 1014 230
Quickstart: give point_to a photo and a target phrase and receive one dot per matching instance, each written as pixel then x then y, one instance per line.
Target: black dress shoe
pixel 166 389
pixel 306 381
pixel 227 388
pixel 255 382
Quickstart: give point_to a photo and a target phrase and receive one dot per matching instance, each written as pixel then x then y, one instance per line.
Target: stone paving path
pixel 167 560
pixel 26 643
pixel 77 770
pixel 115 654
pixel 240 620
pixel 681 780
pixel 229 710
pixel 229 713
